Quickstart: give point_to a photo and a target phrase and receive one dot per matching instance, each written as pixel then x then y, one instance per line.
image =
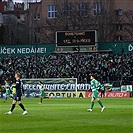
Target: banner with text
pixel 80 94
pixel 111 94
pixel 55 84
pixel 118 47
pixel 57 87
pixel 60 94
pixel 27 50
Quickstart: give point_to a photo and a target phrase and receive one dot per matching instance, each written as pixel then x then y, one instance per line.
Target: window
pixel 37 30
pixel 36 39
pixel 118 38
pixel 67 10
pixel 83 9
pixel 97 7
pixel 52 11
pixel 36 16
pixel 119 27
pixel 119 12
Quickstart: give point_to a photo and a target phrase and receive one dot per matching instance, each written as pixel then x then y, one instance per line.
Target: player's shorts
pixel 42 94
pixel 95 94
pixel 16 98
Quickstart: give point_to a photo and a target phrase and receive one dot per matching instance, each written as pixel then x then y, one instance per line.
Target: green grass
pixel 68 116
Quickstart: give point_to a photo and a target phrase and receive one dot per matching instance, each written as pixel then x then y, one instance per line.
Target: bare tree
pixel 127 25
pixel 2 31
pixel 80 16
pixel 85 15
pixel 70 16
pixel 15 32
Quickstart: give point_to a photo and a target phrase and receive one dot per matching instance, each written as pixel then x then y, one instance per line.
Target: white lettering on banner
pixel 130 47
pixel 23 50
pixel 27 50
pixel 43 50
pixel 116 95
pixel 58 87
pixel 30 87
pixel 36 50
pixel 13 50
pixel 8 51
pixel 83 86
pixel 32 50
pixel 112 94
pixel 72 86
pixel 62 86
pixel 5 50
pixel 19 50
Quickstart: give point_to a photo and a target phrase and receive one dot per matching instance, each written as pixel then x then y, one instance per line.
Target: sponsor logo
pixel 112 94
pixel 72 94
pixel 65 94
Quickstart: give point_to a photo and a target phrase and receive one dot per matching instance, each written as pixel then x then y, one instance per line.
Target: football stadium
pixel 66 66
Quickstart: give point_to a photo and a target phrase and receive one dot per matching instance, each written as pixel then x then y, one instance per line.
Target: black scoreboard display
pixel 76 38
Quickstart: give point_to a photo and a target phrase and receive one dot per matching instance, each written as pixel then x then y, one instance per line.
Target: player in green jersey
pixel 95 85
pixel 13 89
pixel 42 93
pixel 7 88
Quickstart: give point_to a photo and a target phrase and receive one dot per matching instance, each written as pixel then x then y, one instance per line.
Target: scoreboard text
pixel 76 38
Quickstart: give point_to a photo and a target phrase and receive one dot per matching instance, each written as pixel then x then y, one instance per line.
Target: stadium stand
pixel 107 67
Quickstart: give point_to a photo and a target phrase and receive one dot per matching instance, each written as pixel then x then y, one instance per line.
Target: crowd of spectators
pixel 106 67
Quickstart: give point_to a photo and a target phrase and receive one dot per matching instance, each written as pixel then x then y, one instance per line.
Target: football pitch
pixel 68 116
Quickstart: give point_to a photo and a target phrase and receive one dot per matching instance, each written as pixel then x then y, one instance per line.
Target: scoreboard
pixel 76 38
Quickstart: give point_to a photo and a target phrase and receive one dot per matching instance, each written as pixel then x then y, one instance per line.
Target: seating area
pixel 107 67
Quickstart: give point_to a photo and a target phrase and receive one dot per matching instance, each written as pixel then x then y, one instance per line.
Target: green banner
pixel 27 50
pixel 118 47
